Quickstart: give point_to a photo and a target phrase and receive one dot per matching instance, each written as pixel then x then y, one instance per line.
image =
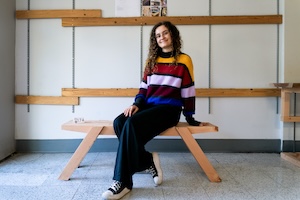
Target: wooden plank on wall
pixel 48 100
pixel 200 92
pixel 290 118
pixel 183 20
pixel 99 92
pixel 39 14
pixel 70 96
pixel 238 92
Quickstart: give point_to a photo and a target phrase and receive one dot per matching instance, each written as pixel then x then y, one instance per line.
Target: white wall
pixel 292 41
pixel 242 56
pixel 7 72
pixel 291 61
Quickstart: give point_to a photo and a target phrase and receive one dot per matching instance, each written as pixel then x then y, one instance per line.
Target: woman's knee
pixel 118 124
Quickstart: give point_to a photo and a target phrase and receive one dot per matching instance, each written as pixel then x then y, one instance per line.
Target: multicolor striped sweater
pixel 169 84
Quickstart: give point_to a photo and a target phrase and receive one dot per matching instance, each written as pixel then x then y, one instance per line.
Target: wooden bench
pixel 100 127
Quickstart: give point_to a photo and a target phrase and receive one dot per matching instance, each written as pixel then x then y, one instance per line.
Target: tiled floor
pixel 245 176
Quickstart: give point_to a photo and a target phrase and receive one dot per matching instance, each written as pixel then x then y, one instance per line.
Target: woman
pixel 167 89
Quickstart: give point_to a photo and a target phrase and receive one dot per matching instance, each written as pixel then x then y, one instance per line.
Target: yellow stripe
pixel 183 59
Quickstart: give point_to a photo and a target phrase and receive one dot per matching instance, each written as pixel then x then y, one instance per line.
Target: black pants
pixel 134 132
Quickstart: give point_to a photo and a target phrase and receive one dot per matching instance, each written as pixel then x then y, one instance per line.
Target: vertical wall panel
pixel 244 7
pixel 244 56
pixel 291 71
pixel 107 7
pixel 50 69
pixel 50 5
pixel 50 57
pixel 188 8
pixel 292 41
pixel 107 59
pixel 21 57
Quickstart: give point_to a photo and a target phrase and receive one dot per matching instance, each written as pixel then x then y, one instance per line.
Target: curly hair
pixel 154 49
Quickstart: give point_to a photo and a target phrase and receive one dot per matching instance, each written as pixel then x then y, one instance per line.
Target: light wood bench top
pixel 107 127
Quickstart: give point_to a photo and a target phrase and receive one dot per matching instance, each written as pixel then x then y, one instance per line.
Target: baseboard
pixel 290 146
pixel 160 145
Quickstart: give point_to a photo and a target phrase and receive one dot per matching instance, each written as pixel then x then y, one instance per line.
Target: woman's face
pixel 163 38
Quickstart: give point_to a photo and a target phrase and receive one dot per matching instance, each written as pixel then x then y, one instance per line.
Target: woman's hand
pixel 128 112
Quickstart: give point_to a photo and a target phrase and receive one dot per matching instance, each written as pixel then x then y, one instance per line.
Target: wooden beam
pixel 99 92
pixel 238 92
pixel 200 92
pixel 290 118
pixel 50 100
pixel 39 14
pixel 184 20
pixel 70 96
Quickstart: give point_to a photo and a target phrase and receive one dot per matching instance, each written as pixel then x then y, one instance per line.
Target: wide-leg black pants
pixel 134 132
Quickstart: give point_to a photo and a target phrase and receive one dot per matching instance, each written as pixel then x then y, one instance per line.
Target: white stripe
pixel 164 80
pixel 143 85
pixel 188 92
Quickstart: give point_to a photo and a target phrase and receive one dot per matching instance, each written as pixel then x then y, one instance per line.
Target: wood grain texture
pixel 183 20
pixel 46 14
pixel 200 92
pixel 47 100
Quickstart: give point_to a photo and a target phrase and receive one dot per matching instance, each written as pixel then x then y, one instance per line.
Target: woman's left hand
pixel 128 112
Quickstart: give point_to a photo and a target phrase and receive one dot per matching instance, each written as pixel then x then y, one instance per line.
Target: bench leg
pixel 198 154
pixel 80 153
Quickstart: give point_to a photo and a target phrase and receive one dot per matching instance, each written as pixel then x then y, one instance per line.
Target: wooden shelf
pixel 70 96
pixel 46 14
pixel 200 92
pixel 99 92
pixel 183 20
pixel 237 92
pixel 93 17
pixel 48 100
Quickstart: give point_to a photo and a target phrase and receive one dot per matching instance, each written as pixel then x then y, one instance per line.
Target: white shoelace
pixel 116 186
pixel 152 171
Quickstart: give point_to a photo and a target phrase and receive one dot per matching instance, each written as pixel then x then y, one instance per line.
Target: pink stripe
pixel 164 80
pixel 143 85
pixel 188 92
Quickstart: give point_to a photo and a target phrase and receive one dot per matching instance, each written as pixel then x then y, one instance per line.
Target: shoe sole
pixel 158 168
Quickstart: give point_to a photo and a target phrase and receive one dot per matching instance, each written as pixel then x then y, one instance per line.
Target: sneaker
pixel 155 170
pixel 116 191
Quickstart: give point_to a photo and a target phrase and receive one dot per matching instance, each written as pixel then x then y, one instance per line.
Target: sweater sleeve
pixel 188 88
pixel 140 98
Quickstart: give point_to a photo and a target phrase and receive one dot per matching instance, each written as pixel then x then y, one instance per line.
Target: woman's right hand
pixel 128 112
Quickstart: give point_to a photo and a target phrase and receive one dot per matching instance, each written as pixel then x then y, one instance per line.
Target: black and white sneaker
pixel 116 191
pixel 155 170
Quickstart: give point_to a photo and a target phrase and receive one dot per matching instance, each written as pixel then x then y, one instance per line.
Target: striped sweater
pixel 169 84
